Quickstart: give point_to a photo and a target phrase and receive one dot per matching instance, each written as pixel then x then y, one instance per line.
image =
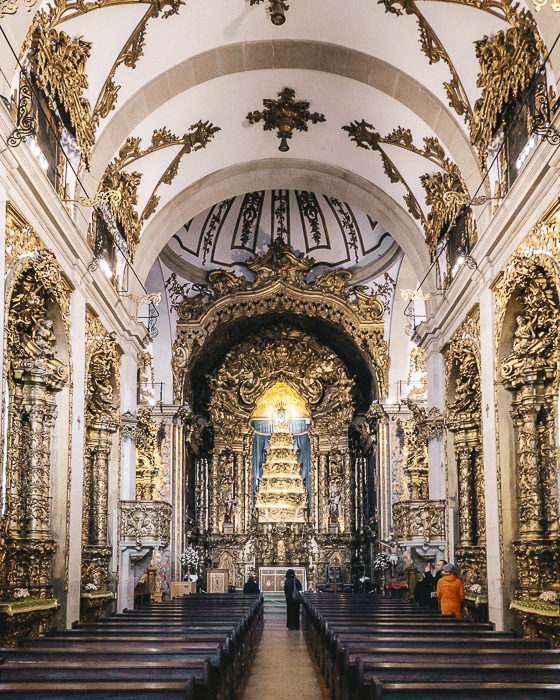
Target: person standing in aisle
pixel 292 606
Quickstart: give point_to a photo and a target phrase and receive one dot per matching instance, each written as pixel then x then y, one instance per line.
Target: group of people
pixel 442 590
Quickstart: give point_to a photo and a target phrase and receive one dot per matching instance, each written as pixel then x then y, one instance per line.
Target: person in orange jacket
pixel 450 592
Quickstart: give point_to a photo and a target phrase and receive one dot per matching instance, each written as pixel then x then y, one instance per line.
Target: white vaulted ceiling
pixel 216 60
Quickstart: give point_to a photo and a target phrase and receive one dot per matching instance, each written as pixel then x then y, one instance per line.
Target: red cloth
pixel 450 593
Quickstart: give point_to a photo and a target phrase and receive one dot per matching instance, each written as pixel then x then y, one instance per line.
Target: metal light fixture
pixel 285 115
pixel 277 10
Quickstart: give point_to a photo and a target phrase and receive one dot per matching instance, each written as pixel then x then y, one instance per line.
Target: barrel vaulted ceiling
pixel 179 79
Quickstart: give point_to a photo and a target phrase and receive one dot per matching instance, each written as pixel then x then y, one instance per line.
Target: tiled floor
pixel 283 665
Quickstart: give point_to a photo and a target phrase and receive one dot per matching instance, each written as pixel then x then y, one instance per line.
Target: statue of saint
pixel 333 505
pixel 230 504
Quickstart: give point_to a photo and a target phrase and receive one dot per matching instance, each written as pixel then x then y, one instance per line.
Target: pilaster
pixel 496 611
pixel 78 345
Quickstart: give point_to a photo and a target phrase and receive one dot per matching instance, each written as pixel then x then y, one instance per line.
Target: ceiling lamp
pixel 277 10
pixel 285 115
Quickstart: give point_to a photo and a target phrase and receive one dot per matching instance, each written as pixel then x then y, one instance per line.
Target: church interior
pixel 248 328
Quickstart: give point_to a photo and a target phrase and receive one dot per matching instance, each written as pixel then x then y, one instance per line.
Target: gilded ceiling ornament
pixel 279 284
pixel 435 51
pixel 63 10
pixel 10 7
pixel 365 136
pixel 58 67
pixel 508 61
pixel 443 210
pixel 119 188
pixel 285 115
pixel 277 10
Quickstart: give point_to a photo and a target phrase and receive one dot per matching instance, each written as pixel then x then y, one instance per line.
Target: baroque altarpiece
pixel 279 440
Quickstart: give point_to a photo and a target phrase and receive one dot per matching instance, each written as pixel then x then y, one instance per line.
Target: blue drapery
pixel 261 441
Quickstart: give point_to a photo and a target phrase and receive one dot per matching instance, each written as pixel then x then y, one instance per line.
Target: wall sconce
pixel 285 115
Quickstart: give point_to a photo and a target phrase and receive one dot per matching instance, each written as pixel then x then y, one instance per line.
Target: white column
pixel 436 448
pixel 125 592
pixel 78 346
pixel 491 466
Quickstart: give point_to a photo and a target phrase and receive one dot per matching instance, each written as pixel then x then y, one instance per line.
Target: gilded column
pixel 530 500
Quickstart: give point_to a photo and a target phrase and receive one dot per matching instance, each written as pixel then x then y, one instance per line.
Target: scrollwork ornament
pixel 26 120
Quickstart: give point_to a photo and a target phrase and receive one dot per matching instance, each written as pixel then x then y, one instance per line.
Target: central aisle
pixel 282 663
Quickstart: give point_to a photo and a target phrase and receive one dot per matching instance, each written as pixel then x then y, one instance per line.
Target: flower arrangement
pixel 475 588
pixel 189 558
pixel 381 562
pixel 21 593
pixel 548 596
pixel 90 587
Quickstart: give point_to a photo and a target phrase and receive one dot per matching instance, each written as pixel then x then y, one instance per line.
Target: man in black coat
pixel 432 580
pixel 292 607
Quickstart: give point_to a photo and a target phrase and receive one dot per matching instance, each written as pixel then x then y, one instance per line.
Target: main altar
pixel 280 468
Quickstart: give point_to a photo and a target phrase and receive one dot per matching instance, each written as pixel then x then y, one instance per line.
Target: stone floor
pixel 282 664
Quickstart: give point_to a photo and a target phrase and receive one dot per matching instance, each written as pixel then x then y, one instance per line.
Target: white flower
pixel 475 588
pixel 90 587
pixel 548 596
pixel 21 593
pixel 381 562
pixel 189 557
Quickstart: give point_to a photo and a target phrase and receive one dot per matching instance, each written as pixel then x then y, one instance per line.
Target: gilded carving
pixel 126 183
pixel 34 376
pixel 420 520
pixel 527 333
pixel 20 237
pixel 279 285
pixel 435 51
pixel 58 67
pixel 508 61
pixel 148 457
pixel 142 521
pixel 464 420
pixel 443 209
pixel 102 420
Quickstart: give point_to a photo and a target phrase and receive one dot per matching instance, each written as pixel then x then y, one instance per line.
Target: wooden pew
pixel 133 690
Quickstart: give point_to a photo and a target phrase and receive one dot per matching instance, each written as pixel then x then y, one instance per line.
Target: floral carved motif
pixel 507 65
pixel 58 66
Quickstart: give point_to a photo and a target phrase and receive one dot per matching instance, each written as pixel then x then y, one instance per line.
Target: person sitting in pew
pixel 450 592
pixel 251 586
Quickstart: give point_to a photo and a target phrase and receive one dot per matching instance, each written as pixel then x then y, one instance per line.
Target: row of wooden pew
pixel 197 647
pixel 370 647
